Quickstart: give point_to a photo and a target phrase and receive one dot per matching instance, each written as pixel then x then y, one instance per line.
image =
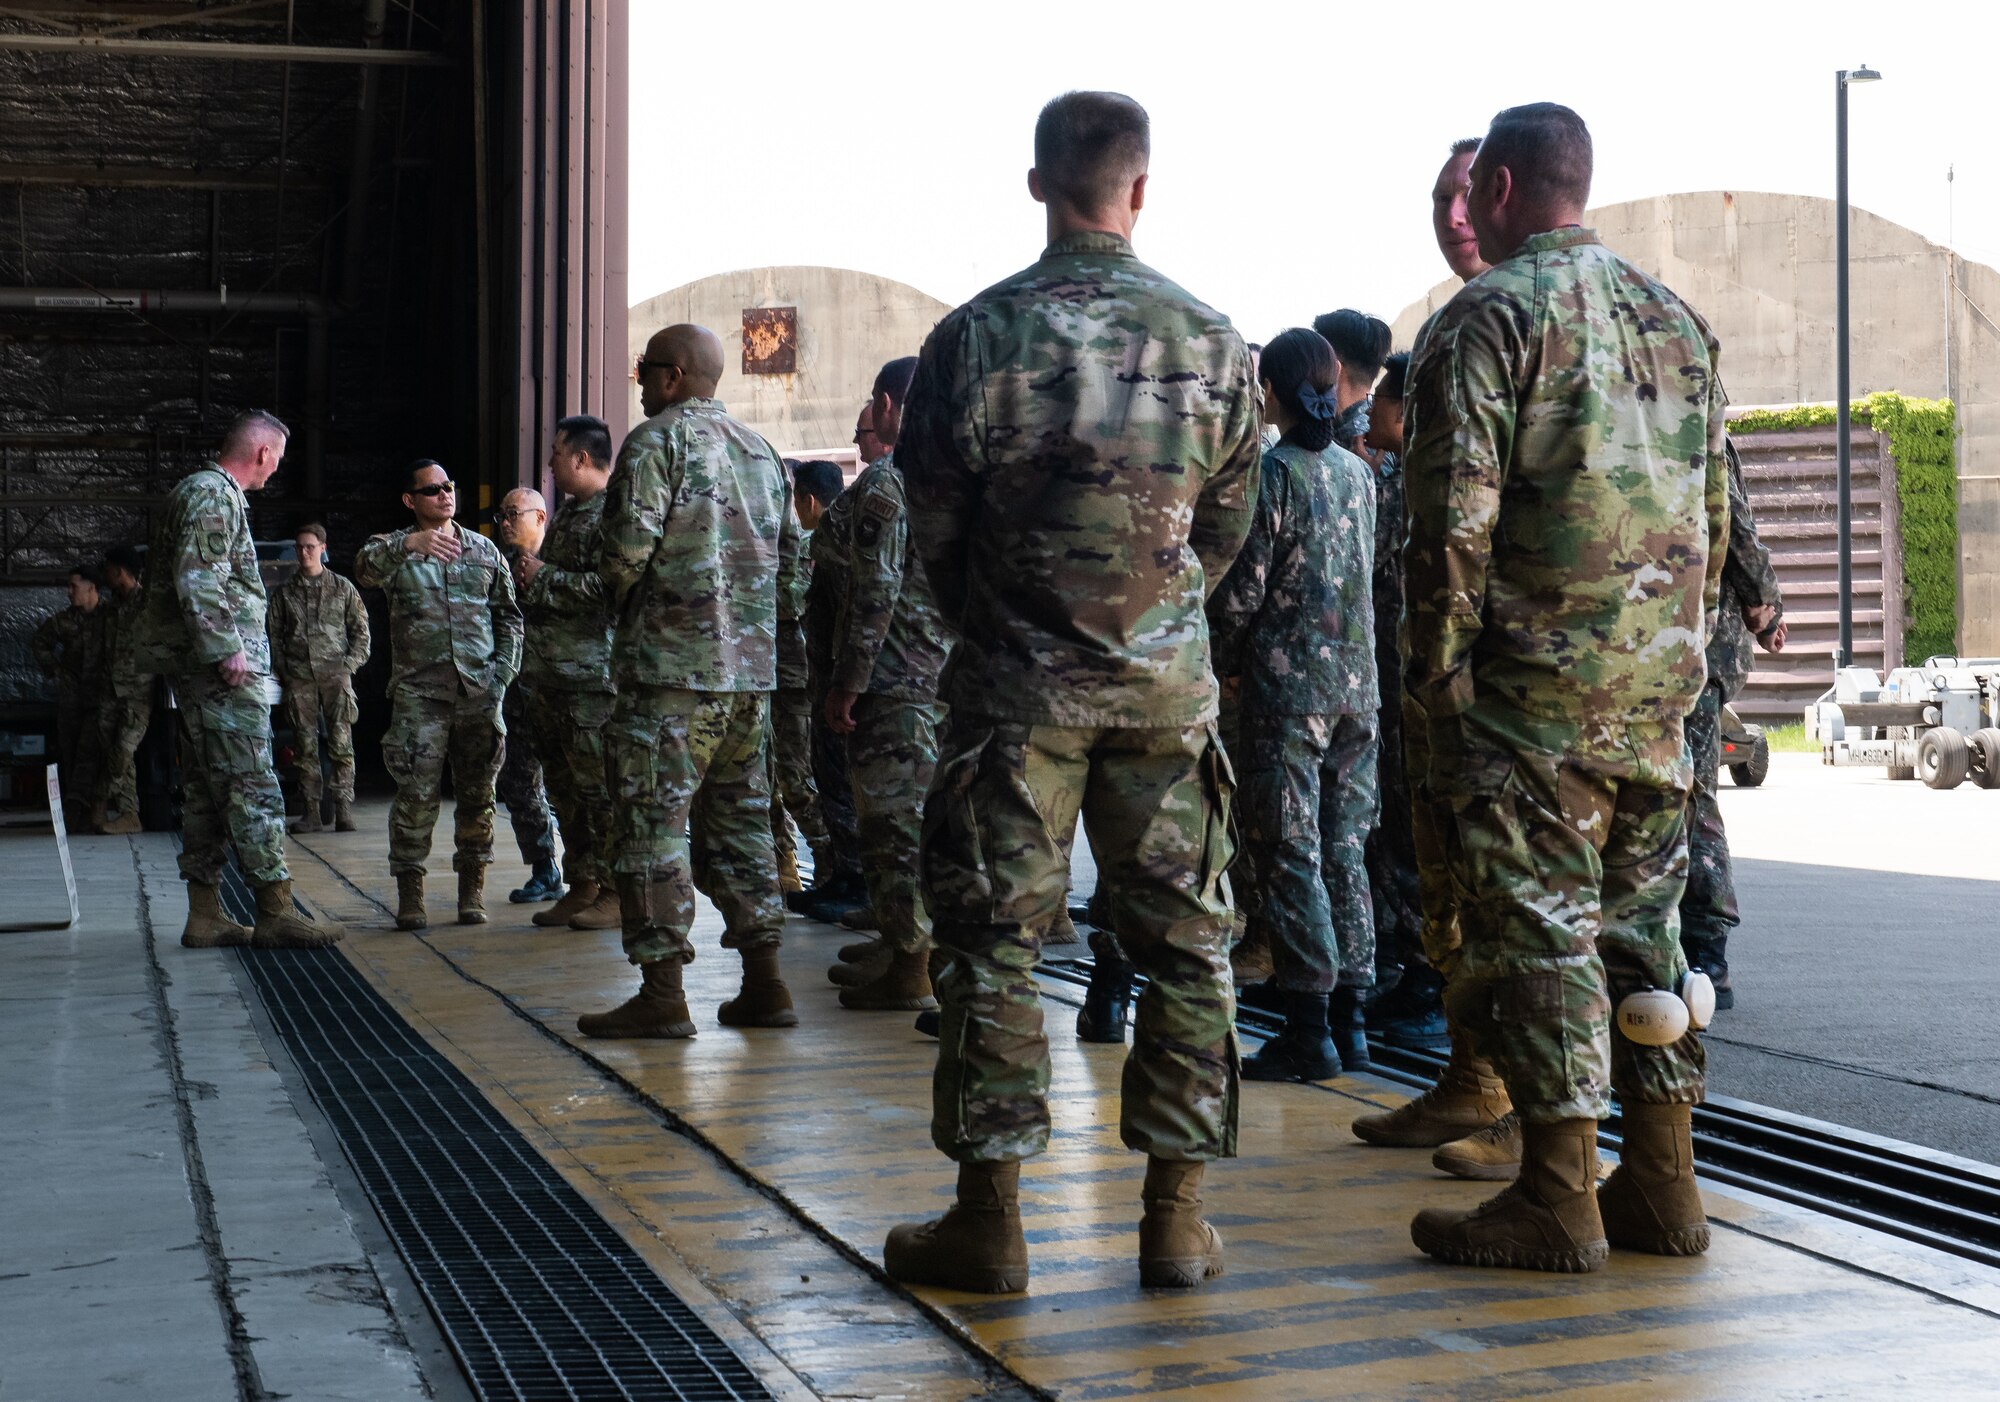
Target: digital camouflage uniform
pixel 1392 858
pixel 699 542
pixel 1568 507
pixel 454 646
pixel 1080 450
pixel 793 790
pixel 889 647
pixel 519 785
pixel 1292 621
pixel 826 601
pixel 566 676
pixel 69 646
pixel 1749 580
pixel 125 710
pixel 202 603
pixel 319 640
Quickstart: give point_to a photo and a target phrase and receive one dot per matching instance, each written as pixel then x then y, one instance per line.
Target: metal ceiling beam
pixel 144 178
pixel 56 300
pixel 218 50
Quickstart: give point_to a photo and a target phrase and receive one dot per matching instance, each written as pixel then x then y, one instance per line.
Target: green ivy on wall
pixel 1920 433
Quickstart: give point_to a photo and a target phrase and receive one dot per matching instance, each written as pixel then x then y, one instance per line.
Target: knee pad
pixel 1653 1017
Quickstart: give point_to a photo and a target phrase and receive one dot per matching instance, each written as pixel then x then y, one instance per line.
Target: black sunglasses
pixel 645 365
pixel 435 489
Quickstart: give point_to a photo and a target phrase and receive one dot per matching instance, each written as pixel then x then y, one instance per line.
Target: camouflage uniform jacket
pixel 700 543
pixel 1391 532
pixel 69 646
pixel 1080 450
pixel 1568 494
pixel 451 626
pixel 1292 617
pixel 792 619
pixel 319 629
pixel 568 608
pixel 1352 425
pixel 889 640
pixel 1749 580
pixel 203 599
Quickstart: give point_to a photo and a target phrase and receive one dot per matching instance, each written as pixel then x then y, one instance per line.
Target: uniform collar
pixel 1574 236
pixel 1090 241
pixel 235 488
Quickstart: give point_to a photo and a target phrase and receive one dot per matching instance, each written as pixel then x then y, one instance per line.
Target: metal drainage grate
pixel 535 1294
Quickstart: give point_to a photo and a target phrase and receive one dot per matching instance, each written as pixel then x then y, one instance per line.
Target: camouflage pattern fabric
pixel 453 628
pixel 692 807
pixel 889 639
pixel 1155 804
pixel 122 723
pixel 1430 822
pixel 230 787
pixel 1352 425
pixel 567 607
pixel 1306 802
pixel 69 646
pixel 309 704
pixel 319 629
pixel 1080 450
pixel 519 784
pixel 425 732
pixel 892 756
pixel 569 735
pixel 825 601
pixel 1708 906
pixel 792 761
pixel 126 673
pixel 1568 849
pixel 699 545
pixel 1391 854
pixel 792 670
pixel 1749 580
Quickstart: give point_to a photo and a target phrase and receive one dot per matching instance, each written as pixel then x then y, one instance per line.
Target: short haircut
pixel 1256 348
pixel 87 573
pixel 1546 147
pixel 1464 144
pixel 818 479
pixel 894 378
pixel 1090 147
pixel 1294 359
pixel 1361 341
pixel 313 529
pixel 406 477
pixel 589 435
pixel 1395 370
pixel 248 425
pixel 126 558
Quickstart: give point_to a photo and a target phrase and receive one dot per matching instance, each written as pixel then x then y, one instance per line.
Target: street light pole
pixel 1844 655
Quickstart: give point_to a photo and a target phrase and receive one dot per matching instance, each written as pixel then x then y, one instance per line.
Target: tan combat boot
pixel 977 1245
pixel 343 814
pixel 658 1010
pixel 472 895
pixel 308 819
pixel 1062 929
pixel 1650 1202
pixel 1250 960
pixel 872 964
pixel 861 951
pixel 789 879
pixel 1177 1249
pixel 601 914
pixel 579 897
pixel 904 986
pixel 1546 1220
pixel 124 825
pixel 207 926
pixel 763 1001
pixel 1493 1155
pixel 1468 1097
pixel 282 925
pixel 410 913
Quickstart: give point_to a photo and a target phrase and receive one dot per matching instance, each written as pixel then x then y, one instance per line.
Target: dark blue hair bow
pixel 1316 405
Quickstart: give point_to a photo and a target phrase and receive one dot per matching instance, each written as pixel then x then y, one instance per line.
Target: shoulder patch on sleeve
pixel 879 507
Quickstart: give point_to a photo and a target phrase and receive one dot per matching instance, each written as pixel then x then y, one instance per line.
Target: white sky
pixel 1294 145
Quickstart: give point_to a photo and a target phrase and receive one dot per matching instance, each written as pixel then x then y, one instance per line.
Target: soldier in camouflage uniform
pixel 795 791
pixel 1568 517
pixel 1751 604
pixel 201 619
pixel 699 544
pixel 69 646
pixel 454 647
pixel 566 675
pixel 890 646
pixel 1293 634
pixel 521 524
pixel 125 711
pixel 1080 451
pixel 319 640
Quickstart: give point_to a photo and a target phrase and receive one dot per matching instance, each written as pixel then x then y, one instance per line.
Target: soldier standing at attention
pixel 522 521
pixel 1569 511
pixel 126 710
pixel 567 673
pixel 319 640
pixel 454 646
pixel 699 543
pixel 202 618
pixel 889 647
pixel 1080 450
pixel 1293 634
pixel 69 646
pixel 793 788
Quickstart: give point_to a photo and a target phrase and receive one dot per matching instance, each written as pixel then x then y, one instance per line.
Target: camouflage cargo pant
pixel 1391 851
pixel 1567 848
pixel 79 747
pixel 1306 802
pixel 469 731
pixel 122 724
pixel 1430 820
pixel 229 782
pixel 519 784
pixel 891 757
pixel 307 704
pixel 568 729
pixel 1708 909
pixel 792 788
pixel 1155 804
pixel 692 807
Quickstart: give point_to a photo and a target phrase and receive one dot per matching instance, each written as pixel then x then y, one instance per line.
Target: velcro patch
pixel 1527 997
pixel 880 508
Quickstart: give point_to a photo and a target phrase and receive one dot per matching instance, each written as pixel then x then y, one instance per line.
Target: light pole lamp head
pixel 1863 74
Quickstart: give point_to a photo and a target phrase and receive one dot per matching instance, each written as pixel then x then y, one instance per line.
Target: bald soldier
pixel 699 540
pixel 522 523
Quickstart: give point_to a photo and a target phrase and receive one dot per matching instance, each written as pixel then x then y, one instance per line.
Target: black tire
pixel 1754 770
pixel 1943 757
pixel 1902 771
pixel 1985 745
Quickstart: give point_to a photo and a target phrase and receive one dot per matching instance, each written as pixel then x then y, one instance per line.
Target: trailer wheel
pixel 1754 770
pixel 1985 747
pixel 1943 757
